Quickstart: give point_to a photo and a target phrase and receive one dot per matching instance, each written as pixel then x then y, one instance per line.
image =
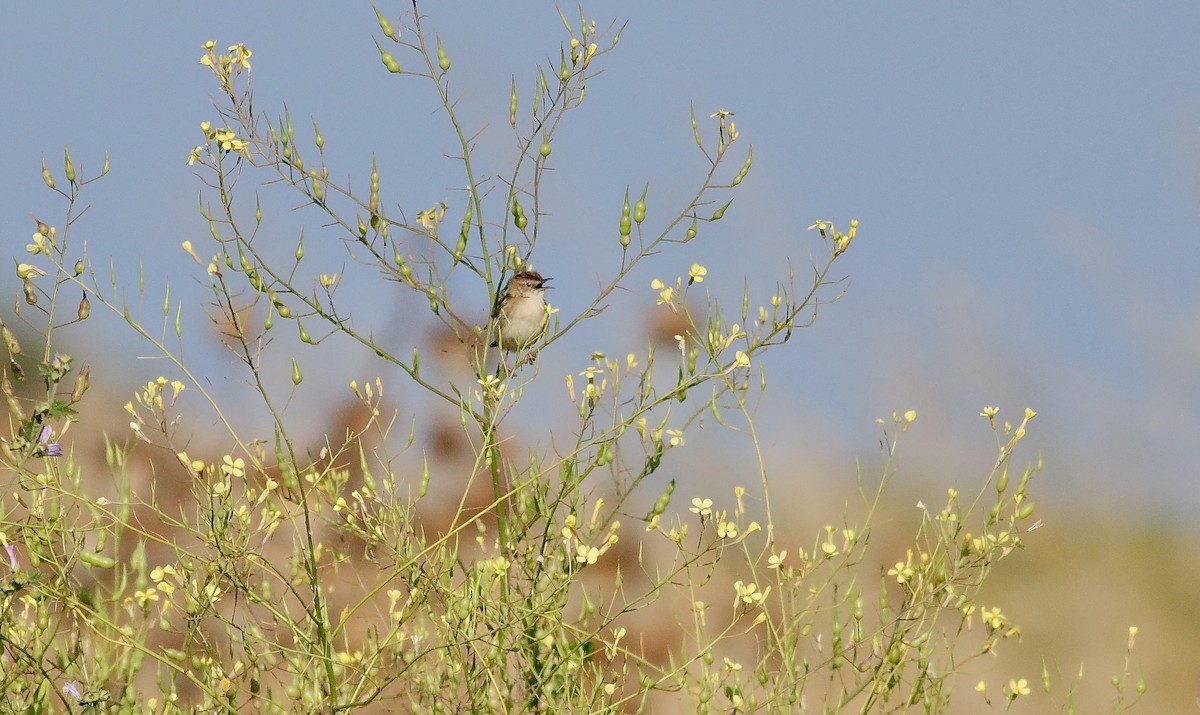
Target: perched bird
pixel 521 314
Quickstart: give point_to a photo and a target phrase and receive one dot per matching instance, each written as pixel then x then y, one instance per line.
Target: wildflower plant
pixel 288 577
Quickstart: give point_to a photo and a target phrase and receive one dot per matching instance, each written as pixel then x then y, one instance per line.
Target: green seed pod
pixel 30 293
pixel 104 169
pixel 720 213
pixel 691 232
pixel 745 167
pixel 304 336
pixel 373 200
pixel 85 308
pixel 385 26
pixel 79 267
pixel 465 231
pixel 82 382
pixel 664 500
pixel 625 227
pixel 423 485
pixel 14 347
pixel 1026 510
pixel 297 376
pixel 46 177
pixel 270 320
pixel 98 560
pixel 284 311
pixel 639 208
pixel 518 213
pixel 318 190
pixel 1002 481
pixel 388 61
pixel 443 58
pixel 512 104
pixel 68 166
pixel 545 149
pixel 320 140
pixel 10 395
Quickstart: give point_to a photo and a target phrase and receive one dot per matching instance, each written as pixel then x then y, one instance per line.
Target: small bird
pixel 521 315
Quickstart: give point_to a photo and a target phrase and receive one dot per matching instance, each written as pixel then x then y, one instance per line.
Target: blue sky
pixel 1026 177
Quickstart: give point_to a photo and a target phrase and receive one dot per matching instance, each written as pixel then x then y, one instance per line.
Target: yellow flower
pixel 233 467
pixel 696 273
pixel 240 55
